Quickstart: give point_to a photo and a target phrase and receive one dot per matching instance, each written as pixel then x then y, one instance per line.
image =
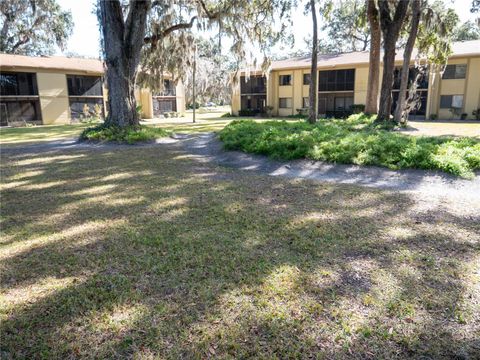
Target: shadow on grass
pixel 147 252
pixel 22 135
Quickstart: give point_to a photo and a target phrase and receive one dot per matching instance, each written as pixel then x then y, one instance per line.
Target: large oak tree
pixel 154 34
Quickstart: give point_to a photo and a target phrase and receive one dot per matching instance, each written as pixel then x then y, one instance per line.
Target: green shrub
pixel 358 108
pixel 248 112
pixel 299 115
pixel 129 135
pixel 139 111
pixel 476 113
pixel 356 140
pixel 190 106
pixel 303 112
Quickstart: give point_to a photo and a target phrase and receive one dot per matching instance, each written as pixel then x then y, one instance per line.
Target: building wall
pixel 468 87
pixel 285 91
pixel 298 91
pixel 180 97
pixel 360 87
pixel 54 100
pixel 53 93
pixel 144 98
pixel 146 102
pixel 235 107
pixel 472 91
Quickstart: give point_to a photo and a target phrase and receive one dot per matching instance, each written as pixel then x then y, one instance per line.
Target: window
pixel 451 101
pixel 84 85
pixel 85 96
pixel 161 106
pixel 455 72
pixel 19 110
pixel 168 89
pixel 306 79
pixel 336 80
pixel 285 103
pixel 80 106
pixel 335 104
pixel 343 103
pixel 252 104
pixel 413 74
pixel 19 100
pixel 285 80
pixel 306 102
pixel 18 84
pixel 254 85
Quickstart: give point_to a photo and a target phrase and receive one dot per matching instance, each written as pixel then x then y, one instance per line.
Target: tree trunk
pixel 371 106
pixel 401 111
pixel 391 29
pixel 313 92
pixel 123 41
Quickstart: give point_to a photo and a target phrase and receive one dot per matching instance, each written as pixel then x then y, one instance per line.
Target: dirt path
pixel 431 188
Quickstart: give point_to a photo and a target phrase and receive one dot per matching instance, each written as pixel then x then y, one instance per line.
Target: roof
pixel 51 63
pixel 459 49
pixel 324 60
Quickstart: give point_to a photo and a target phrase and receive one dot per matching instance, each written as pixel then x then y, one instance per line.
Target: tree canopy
pixel 346 27
pixel 33 27
pixel 170 39
pixel 467 31
pixel 157 36
pixel 212 79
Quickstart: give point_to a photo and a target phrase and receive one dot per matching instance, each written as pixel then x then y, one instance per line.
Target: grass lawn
pixel 145 252
pixel 356 140
pixel 442 128
pixel 35 134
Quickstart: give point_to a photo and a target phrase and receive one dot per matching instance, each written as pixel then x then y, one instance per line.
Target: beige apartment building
pixel 343 83
pixel 55 90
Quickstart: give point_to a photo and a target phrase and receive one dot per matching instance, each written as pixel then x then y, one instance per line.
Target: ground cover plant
pixel 356 140
pixel 128 134
pixel 147 252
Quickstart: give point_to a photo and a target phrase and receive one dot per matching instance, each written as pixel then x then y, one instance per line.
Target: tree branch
pixel 19 43
pixel 209 14
pixel 154 38
pixel 180 26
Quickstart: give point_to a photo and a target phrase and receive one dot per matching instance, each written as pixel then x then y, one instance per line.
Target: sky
pixel 85 38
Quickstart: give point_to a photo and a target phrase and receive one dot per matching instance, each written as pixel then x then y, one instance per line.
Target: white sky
pixel 85 38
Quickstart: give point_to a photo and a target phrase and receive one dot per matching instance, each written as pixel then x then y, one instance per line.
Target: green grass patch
pixel 129 135
pixel 42 133
pixel 356 140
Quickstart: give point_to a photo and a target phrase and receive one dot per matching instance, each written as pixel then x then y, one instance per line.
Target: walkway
pixel 432 188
